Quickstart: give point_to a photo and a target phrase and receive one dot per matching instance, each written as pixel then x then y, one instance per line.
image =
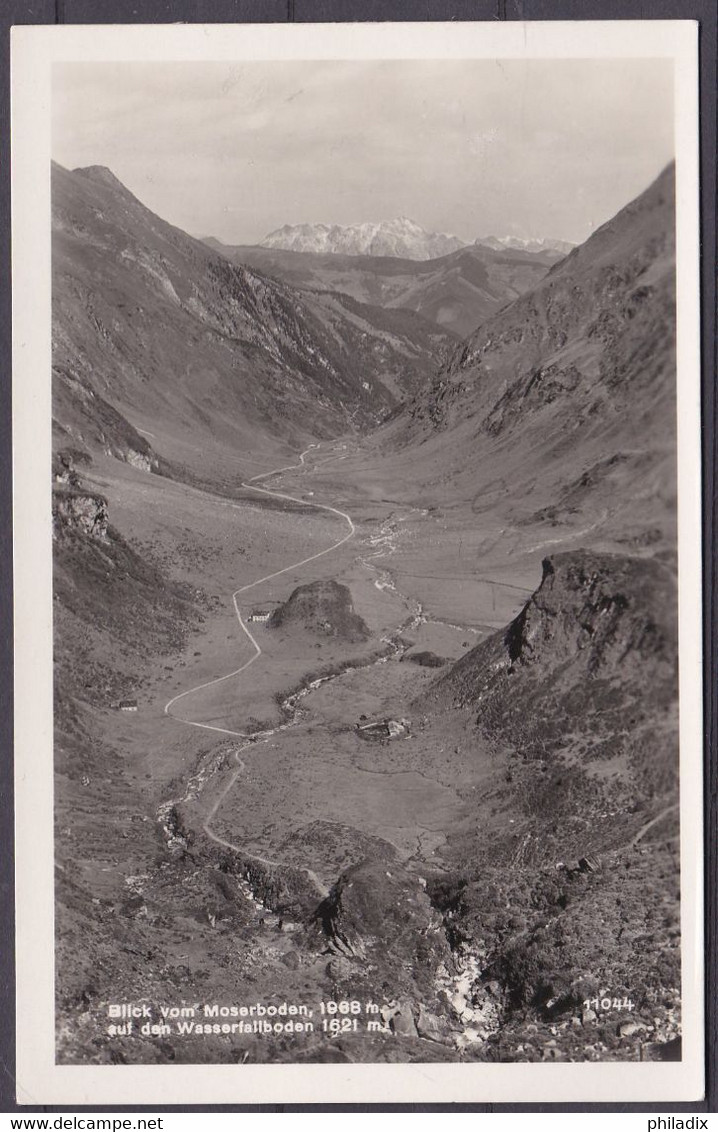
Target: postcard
pixel 358 563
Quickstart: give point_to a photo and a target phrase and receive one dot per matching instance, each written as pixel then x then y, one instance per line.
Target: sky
pixel 538 148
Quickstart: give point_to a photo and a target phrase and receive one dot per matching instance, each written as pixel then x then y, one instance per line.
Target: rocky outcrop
pixel 102 583
pixel 590 662
pixel 598 611
pixel 141 460
pixel 92 420
pixel 82 511
pixel 379 914
pixel 435 404
pixel 64 471
pixel 602 608
pixel 324 608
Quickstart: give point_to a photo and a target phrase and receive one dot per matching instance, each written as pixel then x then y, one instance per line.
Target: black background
pixel 328 11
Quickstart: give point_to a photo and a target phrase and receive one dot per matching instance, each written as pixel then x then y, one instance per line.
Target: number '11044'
pixel 608 1003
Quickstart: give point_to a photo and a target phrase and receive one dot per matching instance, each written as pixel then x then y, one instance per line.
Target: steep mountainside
pixel 555 425
pixel 400 237
pixel 111 606
pixel 577 701
pixel 455 292
pixel 568 394
pixel 151 327
pixel 397 348
pixel 586 675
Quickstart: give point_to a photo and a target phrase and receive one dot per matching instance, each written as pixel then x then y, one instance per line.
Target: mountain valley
pixel 281 477
pixel 136 299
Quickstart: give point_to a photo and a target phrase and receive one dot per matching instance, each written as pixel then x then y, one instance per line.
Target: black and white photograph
pixel 369 477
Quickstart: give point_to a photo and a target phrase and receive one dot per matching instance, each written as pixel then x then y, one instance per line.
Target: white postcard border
pixel 39 1079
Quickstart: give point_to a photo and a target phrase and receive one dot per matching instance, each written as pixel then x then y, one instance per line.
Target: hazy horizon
pixel 535 149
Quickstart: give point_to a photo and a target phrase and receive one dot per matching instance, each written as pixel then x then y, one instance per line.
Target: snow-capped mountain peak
pixel 401 237
pixel 527 244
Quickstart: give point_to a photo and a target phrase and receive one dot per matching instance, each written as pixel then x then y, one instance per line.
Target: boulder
pixel 378 913
pixel 433 1027
pixel 402 1022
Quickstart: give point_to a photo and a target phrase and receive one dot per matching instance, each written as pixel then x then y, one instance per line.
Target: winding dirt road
pixel 206 826
pixel 240 764
pixel 251 485
pixel 654 821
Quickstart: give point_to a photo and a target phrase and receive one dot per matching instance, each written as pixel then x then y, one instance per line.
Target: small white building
pixel 385 729
pixel 259 615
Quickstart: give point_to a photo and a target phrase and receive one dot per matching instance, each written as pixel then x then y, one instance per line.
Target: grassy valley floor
pixel 198 835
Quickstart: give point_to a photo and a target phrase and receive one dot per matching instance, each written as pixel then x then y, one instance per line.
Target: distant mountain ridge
pixel 455 292
pixel 401 237
pixel 558 248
